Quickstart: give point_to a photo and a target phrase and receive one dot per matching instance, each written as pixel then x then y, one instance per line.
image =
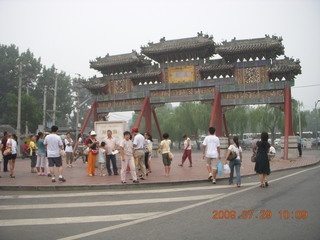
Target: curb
pixel 128 185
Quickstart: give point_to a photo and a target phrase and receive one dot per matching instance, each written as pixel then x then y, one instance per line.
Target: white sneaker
pixel 213 181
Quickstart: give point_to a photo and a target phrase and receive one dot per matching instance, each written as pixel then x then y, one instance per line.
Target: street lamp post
pixel 315 110
pixel 19 106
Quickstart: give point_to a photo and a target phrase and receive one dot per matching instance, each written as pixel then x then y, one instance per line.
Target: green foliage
pixel 193 119
pixel 34 78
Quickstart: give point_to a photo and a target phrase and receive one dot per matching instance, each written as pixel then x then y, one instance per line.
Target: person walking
pixel 138 145
pixel 186 151
pixel 12 144
pixel 148 151
pixel 102 158
pixel 299 145
pixel 41 157
pixel 165 149
pixel 1 156
pixel 126 153
pixel 211 151
pixel 4 144
pixel 111 146
pixel 93 145
pixel 33 153
pixel 262 166
pixel 69 149
pixel 236 163
pixel 54 145
pixel 25 150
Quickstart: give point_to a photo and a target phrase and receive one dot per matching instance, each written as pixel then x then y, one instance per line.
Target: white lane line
pixel 82 219
pixel 108 203
pixel 88 194
pixel 106 229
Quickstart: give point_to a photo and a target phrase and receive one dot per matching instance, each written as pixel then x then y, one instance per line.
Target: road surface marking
pixel 107 193
pixel 106 229
pixel 82 219
pixel 108 203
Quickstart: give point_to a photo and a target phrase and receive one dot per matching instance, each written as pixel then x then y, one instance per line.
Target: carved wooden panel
pixel 121 103
pixel 182 92
pixel 251 75
pixel 250 95
pixel 120 86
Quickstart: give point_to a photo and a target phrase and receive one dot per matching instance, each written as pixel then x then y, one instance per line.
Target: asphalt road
pixel 288 209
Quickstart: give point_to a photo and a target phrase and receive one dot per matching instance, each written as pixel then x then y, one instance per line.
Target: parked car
pixel 277 142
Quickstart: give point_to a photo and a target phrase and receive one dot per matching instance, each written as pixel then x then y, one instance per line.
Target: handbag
pixel 254 157
pixel 232 156
pixel 62 153
pixel 8 149
pixel 86 151
pixel 7 152
pixel 170 155
pixel 94 152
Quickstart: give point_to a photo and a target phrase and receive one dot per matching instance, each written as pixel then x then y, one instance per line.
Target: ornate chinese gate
pixel 180 70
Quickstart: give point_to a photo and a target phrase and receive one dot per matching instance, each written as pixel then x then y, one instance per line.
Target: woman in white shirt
pixel 12 160
pixel 236 163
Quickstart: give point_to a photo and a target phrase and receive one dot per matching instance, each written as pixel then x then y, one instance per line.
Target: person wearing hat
pixel 93 144
pixel 138 145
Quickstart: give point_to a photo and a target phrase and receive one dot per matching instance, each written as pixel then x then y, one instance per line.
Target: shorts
pixel 7 157
pixel 101 165
pixel 13 156
pixel 213 162
pixel 166 160
pixel 57 161
pixel 69 156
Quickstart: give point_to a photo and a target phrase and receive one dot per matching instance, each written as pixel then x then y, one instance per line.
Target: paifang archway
pixel 247 72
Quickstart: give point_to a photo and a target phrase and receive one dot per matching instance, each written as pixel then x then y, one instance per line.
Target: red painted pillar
pixel 95 114
pixel 217 114
pixel 146 100
pixel 148 117
pixel 84 125
pixel 288 130
pixel 157 123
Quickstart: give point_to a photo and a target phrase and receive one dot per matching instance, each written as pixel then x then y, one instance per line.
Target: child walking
pixel 101 158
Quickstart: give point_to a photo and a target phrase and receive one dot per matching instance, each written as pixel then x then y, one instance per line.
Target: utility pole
pixel 55 100
pixel 300 130
pixel 315 111
pixel 19 106
pixel 27 129
pixel 78 111
pixel 44 106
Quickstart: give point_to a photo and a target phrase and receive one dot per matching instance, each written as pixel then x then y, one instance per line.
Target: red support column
pixel 157 123
pixel 217 114
pixel 226 127
pixel 288 130
pixel 92 108
pixel 95 114
pixel 145 102
pixel 148 117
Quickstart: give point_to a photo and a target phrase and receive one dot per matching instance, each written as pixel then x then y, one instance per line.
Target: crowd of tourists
pixel 46 152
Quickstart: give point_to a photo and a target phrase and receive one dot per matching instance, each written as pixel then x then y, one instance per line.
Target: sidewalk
pixel 77 178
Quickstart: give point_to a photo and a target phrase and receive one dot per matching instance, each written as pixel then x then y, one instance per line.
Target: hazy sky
pixel 71 33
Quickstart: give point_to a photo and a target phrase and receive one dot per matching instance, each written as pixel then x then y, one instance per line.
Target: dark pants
pixel 300 149
pixel 146 159
pixel 112 158
pixel 5 163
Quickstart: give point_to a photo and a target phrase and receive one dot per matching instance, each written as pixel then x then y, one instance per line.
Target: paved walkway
pixel 76 177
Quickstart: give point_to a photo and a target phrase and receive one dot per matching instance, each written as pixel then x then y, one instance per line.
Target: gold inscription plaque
pixel 181 74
